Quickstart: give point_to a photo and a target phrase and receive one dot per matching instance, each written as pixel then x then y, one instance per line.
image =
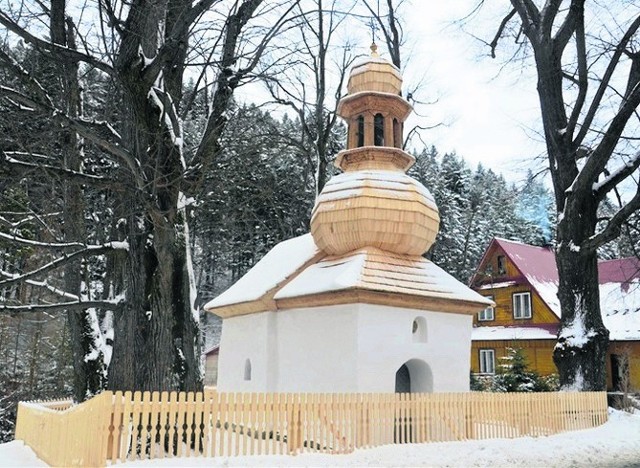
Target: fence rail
pixel 128 426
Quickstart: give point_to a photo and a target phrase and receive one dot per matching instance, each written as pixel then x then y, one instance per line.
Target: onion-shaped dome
pixel 374 203
pixel 375 206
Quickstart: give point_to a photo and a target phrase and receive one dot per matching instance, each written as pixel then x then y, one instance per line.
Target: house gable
pixel 500 278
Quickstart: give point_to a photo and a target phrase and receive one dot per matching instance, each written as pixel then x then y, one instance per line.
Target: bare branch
pixel 54 49
pixel 583 81
pixel 604 82
pixel 613 227
pixel 57 263
pixel 77 305
pixel 170 48
pixel 569 25
pixel 494 43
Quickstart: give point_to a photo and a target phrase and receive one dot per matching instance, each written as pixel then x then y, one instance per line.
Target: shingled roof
pixel 296 273
pixel 619 284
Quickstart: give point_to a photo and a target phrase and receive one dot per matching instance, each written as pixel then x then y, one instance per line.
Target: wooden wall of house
pixel 503 312
pixel 211 370
pixel 539 354
pixel 489 269
pixel 631 349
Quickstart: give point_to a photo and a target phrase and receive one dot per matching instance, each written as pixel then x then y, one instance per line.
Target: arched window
pixel 360 134
pixel 378 130
pixel 419 330
pixel 247 369
pixel 397 134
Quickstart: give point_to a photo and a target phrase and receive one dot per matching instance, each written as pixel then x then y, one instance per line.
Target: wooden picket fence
pixel 120 426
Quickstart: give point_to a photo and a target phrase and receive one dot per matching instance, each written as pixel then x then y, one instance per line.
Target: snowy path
pixel 615 444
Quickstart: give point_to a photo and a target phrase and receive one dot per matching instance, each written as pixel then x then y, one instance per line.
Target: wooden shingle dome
pixel 373 203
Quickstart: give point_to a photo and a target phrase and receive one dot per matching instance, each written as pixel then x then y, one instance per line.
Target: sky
pixel 487 115
pixel 490 112
pixel 490 106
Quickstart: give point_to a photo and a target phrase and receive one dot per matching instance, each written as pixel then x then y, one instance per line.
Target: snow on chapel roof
pixel 371 223
pixel 274 268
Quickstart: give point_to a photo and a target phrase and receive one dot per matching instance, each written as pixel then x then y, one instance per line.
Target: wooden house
pixel 522 280
pixel 211 366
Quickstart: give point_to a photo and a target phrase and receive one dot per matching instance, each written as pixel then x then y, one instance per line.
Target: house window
pixel 502 266
pixel 378 130
pixel 522 305
pixel 487 361
pixel 360 133
pixel 486 314
pixel 247 369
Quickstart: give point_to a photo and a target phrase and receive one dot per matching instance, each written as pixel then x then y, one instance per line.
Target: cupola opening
pixel 397 134
pixel 378 130
pixel 360 134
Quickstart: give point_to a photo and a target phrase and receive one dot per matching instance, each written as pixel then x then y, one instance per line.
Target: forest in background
pixel 260 191
pixel 257 190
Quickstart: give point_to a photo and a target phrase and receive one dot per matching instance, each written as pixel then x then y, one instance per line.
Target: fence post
pixel 104 407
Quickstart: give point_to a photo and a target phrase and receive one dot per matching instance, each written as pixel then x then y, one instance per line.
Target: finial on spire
pixel 374 50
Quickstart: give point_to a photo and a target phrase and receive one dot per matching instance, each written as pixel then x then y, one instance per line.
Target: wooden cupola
pixel 374 203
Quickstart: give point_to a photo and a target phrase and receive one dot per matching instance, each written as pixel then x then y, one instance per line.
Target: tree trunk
pixel 88 366
pixel 583 340
pixel 580 354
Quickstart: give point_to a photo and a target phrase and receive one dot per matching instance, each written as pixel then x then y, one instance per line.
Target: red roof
pixel 530 260
pixel 622 270
pixel 538 266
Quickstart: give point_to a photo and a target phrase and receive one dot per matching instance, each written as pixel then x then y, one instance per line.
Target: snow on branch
pixel 86 251
pixel 618 175
pixel 100 133
pixel 15 166
pixel 26 77
pixel 43 284
pixel 74 305
pixel 114 245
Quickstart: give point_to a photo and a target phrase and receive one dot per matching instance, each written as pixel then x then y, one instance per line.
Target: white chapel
pixel 353 306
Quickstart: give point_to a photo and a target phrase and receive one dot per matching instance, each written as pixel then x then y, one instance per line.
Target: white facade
pixel 345 348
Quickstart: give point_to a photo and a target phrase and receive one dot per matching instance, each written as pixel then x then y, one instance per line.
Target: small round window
pixel 419 330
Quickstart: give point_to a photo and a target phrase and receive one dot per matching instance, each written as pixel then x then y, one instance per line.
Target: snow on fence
pixel 124 426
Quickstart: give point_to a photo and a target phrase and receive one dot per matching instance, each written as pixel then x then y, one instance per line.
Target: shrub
pixel 514 376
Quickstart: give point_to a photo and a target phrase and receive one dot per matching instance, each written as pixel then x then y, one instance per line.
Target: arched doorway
pixel 403 380
pixel 414 376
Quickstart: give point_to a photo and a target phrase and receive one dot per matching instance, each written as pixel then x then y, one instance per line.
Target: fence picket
pixel 152 425
pixel 213 425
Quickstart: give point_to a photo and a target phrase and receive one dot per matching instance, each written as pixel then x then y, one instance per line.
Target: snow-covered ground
pixel 614 444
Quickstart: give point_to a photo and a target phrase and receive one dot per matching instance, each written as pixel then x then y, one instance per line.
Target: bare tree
pixel 144 50
pixel 301 78
pixel 588 84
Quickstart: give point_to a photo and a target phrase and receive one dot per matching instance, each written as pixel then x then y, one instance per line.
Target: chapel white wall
pixel 246 337
pixel 386 343
pixel 342 348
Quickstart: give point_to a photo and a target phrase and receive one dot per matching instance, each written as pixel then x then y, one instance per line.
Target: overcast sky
pixel 492 116
pixel 487 115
